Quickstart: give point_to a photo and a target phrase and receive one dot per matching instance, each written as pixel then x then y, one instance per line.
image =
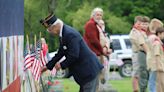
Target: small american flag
pixel 43 59
pixel 28 58
pixel 38 61
pixel 40 51
pixel 36 69
pixel 36 66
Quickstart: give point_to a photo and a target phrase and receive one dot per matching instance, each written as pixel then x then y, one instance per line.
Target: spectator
pixel 135 48
pixel 142 39
pixel 44 47
pixel 159 57
pixel 92 38
pixel 151 62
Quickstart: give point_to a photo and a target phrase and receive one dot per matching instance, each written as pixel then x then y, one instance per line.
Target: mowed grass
pixel 124 85
pixel 70 86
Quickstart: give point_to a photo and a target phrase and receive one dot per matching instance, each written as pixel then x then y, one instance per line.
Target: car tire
pixel 125 70
pixel 63 73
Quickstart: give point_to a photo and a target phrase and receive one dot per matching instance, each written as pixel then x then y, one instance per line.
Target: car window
pixel 128 43
pixel 116 44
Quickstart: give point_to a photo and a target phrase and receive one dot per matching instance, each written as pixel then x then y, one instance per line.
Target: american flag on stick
pixel 38 62
pixel 36 65
pixel 28 57
pixel 40 52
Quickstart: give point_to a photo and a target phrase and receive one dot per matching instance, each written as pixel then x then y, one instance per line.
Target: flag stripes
pixel 36 69
pixel 29 59
pixel 34 60
pixel 43 60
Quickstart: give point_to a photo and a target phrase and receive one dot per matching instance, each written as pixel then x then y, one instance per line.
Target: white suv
pixel 122 50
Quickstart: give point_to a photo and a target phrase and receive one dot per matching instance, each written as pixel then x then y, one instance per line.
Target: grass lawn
pixel 70 86
pixel 123 85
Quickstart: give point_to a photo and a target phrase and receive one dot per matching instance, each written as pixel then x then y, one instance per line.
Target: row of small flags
pixel 34 59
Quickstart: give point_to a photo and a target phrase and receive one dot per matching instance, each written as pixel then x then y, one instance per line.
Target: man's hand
pixel 43 69
pixel 57 66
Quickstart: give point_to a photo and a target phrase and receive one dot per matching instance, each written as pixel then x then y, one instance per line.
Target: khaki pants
pixel 135 64
pixel 160 81
pixel 101 76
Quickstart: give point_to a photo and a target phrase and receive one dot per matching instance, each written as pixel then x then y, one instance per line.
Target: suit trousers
pixel 90 86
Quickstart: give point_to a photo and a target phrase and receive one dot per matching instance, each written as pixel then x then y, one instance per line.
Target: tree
pixel 118 14
pixel 81 16
pixel 117 25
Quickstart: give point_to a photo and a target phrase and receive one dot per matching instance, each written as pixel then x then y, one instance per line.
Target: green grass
pixel 123 85
pixel 70 86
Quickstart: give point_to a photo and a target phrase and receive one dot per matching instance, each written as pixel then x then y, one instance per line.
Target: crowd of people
pixel 88 71
pixel 148 58
pixel 146 37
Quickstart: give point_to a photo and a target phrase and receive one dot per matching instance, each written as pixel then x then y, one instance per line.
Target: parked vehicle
pixel 122 49
pixel 114 62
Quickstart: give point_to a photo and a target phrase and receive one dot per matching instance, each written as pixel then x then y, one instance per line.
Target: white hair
pixel 58 21
pixel 97 9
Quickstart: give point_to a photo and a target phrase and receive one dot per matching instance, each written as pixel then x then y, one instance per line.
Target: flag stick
pixel 29 80
pixel 35 48
pixel 40 35
pixel 27 39
pixel 40 75
pixel 44 90
pixel 35 41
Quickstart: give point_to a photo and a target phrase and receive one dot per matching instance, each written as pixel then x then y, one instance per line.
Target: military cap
pixel 49 20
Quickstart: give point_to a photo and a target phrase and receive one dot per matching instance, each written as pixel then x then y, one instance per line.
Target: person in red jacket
pixel 91 37
pixel 44 47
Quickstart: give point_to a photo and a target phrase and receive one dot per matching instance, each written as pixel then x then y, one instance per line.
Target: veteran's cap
pixel 49 20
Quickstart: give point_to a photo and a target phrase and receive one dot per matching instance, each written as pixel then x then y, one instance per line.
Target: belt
pixel 143 51
pixel 135 51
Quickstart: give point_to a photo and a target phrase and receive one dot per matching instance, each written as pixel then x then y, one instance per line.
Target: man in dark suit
pixel 81 61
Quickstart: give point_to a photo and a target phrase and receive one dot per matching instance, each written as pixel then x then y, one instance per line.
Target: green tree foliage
pixel 118 15
pixel 118 25
pixel 81 16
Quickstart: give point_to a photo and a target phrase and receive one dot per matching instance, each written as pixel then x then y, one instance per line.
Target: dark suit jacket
pixel 91 36
pixel 81 61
